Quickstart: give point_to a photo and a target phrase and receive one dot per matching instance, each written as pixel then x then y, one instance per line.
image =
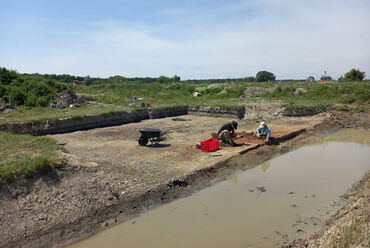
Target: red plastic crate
pixel 209 145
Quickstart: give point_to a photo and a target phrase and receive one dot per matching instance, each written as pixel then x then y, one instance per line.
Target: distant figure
pixel 263 131
pixel 227 132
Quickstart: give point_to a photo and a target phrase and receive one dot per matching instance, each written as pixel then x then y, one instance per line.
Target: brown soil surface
pixel 277 133
pixel 110 178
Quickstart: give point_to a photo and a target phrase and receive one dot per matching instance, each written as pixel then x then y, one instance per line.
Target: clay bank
pixel 110 178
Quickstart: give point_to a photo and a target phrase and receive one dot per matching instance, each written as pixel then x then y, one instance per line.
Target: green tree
pixel 354 75
pixel 16 96
pixel 264 76
pixel 250 79
pixel 88 80
pixel 116 79
pixel 163 79
pixel 7 76
pixel 175 78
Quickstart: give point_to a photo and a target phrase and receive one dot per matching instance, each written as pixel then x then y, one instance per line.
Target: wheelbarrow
pixel 152 134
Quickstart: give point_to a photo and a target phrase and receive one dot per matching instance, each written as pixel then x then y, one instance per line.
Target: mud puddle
pixel 284 198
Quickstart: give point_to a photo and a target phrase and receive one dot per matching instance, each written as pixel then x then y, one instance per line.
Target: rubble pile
pixel 68 98
pixel 6 108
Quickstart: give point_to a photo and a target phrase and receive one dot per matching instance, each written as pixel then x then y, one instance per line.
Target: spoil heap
pixel 68 98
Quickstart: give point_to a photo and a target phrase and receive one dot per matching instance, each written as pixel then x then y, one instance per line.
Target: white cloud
pixel 293 39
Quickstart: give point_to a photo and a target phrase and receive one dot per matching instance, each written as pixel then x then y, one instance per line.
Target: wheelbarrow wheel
pixel 143 140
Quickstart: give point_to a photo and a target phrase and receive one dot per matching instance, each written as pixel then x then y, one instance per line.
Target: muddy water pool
pixel 285 197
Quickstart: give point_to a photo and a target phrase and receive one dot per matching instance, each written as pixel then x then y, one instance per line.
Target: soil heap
pixel 67 98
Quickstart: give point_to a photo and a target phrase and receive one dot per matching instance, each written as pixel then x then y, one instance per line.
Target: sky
pixel 195 39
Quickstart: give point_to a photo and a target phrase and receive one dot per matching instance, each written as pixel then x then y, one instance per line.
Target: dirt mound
pixel 6 107
pixel 345 120
pixel 67 98
pixel 252 91
pixel 263 111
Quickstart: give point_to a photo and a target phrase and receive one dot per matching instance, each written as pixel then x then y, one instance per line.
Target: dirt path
pixel 111 179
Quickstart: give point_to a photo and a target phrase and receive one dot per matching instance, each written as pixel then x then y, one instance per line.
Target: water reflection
pixel 265 166
pixel 234 178
pixel 359 136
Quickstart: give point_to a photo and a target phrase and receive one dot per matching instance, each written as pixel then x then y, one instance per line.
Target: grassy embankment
pixel 114 97
pixel 319 97
pixel 26 157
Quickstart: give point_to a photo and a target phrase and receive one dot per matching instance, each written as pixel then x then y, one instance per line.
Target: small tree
pixel 264 76
pixel 87 80
pixel 354 75
pixel 250 79
pixel 163 79
pixel 175 78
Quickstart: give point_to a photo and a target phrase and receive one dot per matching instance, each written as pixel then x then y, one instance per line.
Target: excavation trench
pixel 79 202
pixel 287 197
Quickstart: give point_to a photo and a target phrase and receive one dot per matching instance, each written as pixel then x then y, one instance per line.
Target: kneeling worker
pixel 227 132
pixel 263 131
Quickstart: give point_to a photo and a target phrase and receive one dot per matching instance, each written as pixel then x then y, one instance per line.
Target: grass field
pixel 26 156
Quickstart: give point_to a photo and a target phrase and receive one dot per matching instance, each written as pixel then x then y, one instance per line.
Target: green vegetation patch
pixel 24 115
pixel 162 94
pixel 32 92
pixel 27 90
pixel 321 95
pixel 26 156
pixel 304 110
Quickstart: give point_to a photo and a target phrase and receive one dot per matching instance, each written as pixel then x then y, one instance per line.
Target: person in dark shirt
pixel 226 133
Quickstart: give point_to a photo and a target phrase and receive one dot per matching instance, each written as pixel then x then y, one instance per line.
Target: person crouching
pixel 227 132
pixel 263 131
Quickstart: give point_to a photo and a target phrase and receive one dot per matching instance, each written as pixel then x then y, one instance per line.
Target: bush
pixel 250 79
pixel 15 96
pixel 7 76
pixel 31 101
pixel 163 79
pixel 302 110
pixel 29 90
pixel 2 90
pixel 354 75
